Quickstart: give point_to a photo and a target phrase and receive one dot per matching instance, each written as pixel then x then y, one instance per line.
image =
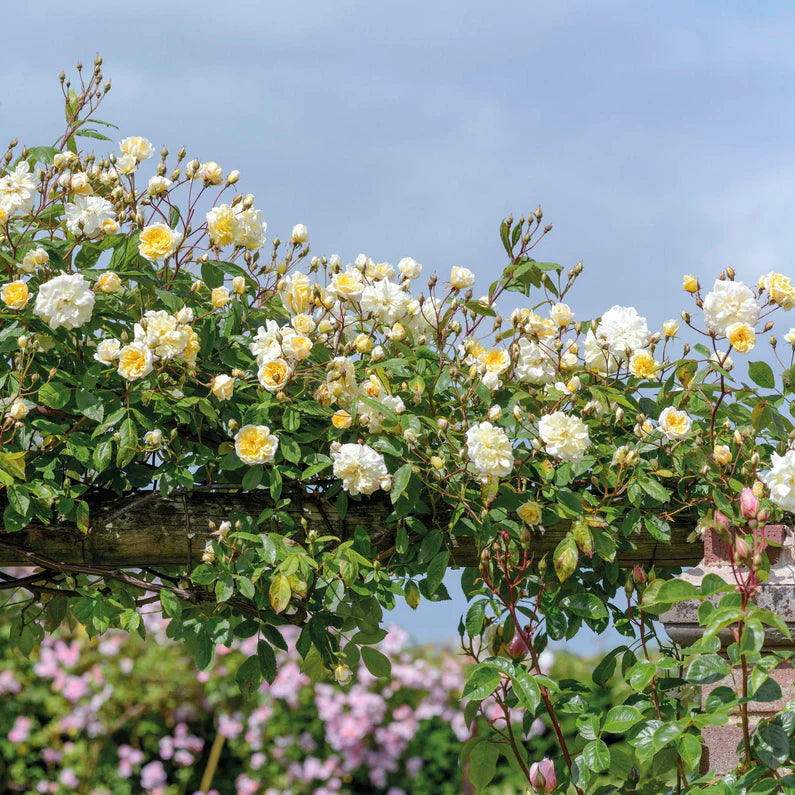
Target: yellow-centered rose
pixel 274 375
pixel 644 365
pixel 135 361
pixel 530 513
pixel 255 444
pixel 341 419
pixel 109 282
pixel 742 337
pixel 158 241
pixel 15 294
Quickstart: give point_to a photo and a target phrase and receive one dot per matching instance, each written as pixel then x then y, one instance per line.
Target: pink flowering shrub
pixel 120 715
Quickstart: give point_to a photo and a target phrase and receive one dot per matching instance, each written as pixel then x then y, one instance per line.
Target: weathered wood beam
pixel 147 529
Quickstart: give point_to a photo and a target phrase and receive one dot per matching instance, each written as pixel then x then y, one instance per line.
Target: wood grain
pixel 147 529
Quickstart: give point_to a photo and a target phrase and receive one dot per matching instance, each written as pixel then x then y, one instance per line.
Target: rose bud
pixel 749 504
pixel 542 776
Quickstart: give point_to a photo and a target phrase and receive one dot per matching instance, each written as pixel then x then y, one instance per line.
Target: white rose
pixel 779 289
pixel 154 438
pixel 210 172
pixel 730 302
pixel 17 190
pixel 409 268
pixel 18 410
pixel 596 355
pixel 222 386
pixel 359 467
pixel 565 437
pixel 534 363
pixel 461 278
pixel 250 229
pixel 65 301
pixel 780 479
pixel 90 216
pixel 137 147
pixel 623 330
pixel 158 186
pixel 386 301
pixel 255 444
pixel 300 234
pixel 33 259
pixel 561 314
pixel 107 351
pixel 675 424
pixel 490 450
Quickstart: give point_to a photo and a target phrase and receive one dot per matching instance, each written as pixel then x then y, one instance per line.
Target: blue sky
pixel 657 137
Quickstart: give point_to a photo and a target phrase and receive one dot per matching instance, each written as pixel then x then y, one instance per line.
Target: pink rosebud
pixel 720 519
pixel 749 504
pixel 742 549
pixel 517 647
pixel 638 575
pixel 542 776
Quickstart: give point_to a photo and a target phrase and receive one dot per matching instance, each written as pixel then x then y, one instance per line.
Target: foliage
pixel 150 347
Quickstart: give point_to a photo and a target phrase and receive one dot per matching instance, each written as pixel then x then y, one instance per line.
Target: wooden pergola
pixel 147 529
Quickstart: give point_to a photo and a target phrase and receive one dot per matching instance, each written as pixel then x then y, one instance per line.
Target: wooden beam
pixel 147 529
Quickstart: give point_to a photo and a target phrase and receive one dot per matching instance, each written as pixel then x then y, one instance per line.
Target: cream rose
pixel 255 444
pixel 158 241
pixel 675 424
pixel 135 361
pixel 15 295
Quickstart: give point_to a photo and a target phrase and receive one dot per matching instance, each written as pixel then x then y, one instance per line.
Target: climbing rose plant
pixel 155 342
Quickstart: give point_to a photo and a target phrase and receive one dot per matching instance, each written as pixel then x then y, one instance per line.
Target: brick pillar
pixel 778 595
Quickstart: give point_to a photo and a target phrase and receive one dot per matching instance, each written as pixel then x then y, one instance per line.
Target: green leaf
pixel 128 443
pixel 203 574
pixel 102 455
pixel 706 669
pixel 770 745
pixel 377 663
pixel 596 755
pixel 54 396
pixel 290 449
pixel 661 594
pixel 689 748
pixel 474 618
pixel 436 570
pixel 569 499
pixel 526 688
pixel 641 673
pixel 761 373
pixel 619 719
pixel 172 606
pixel 253 477
pixel 654 489
pixel 606 667
pixel 19 498
pixel 90 405
pixel 267 660
pixel 400 482
pixel 585 605
pixel 224 588
pixel 249 676
pixel 483 764
pixel 482 682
